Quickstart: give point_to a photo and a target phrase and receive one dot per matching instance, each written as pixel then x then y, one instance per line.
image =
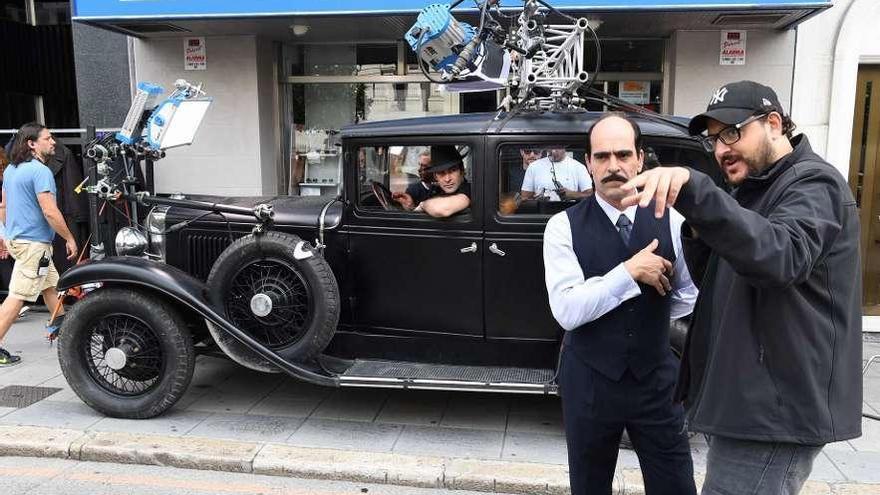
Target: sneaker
pixel 7 359
pixel 23 311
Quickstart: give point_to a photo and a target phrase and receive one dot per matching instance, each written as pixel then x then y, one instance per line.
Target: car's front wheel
pixel 126 353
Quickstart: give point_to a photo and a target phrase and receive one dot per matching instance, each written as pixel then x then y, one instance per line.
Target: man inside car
pixel 451 192
pixel 556 177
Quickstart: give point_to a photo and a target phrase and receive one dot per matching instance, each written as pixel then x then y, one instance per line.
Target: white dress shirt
pixel 575 301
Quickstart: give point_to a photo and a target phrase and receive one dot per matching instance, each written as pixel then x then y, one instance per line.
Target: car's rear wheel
pixel 125 353
pixel 279 292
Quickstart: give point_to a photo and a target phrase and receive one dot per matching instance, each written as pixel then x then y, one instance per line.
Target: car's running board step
pixel 401 374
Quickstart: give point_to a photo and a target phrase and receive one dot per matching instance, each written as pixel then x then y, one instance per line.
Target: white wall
pixel 830 48
pixel 696 72
pixel 226 158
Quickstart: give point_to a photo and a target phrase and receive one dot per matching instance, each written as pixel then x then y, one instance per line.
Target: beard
pixel 732 162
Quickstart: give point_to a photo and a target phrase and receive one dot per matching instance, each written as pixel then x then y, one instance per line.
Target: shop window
pixel 49 13
pixel 536 178
pixel 376 60
pixel 627 55
pixel 14 10
pixel 386 172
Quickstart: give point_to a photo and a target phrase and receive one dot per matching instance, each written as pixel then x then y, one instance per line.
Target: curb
pixel 339 465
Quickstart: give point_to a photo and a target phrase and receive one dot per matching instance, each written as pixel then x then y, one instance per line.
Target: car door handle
pixel 493 248
pixel 470 249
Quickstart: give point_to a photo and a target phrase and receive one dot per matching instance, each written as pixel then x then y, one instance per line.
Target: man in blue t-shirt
pixel 31 218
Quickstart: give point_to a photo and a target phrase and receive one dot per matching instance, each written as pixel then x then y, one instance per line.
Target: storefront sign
pixel 195 57
pixel 733 48
pixel 636 92
pixel 128 9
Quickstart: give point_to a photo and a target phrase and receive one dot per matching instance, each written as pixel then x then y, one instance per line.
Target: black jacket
pixel 775 347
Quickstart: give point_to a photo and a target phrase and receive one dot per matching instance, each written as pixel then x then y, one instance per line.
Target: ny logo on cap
pixel 718 96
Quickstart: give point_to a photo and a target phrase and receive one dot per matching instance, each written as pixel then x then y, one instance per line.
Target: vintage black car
pixel 349 291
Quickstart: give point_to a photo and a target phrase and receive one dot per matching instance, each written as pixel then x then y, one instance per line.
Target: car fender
pixel 184 288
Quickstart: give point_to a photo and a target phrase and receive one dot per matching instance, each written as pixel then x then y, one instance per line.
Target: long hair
pixel 21 152
pixel 3 162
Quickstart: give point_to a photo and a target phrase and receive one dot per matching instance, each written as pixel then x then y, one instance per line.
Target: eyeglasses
pixel 730 134
pixel 531 151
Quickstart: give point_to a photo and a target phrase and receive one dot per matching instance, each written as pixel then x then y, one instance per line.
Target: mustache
pixel 730 156
pixel 614 177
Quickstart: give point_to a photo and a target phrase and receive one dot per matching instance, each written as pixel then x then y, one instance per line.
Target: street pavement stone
pixel 352 405
pixel 870 439
pixel 450 442
pixel 503 476
pixel 844 446
pixel 37 441
pixel 349 465
pixel 246 427
pixel 547 423
pixel 861 466
pixel 825 470
pixel 55 415
pixel 182 452
pixel 346 435
pixel 477 411
pixel 273 405
pixel 225 402
pixel 172 423
pixel 534 447
pixel 416 407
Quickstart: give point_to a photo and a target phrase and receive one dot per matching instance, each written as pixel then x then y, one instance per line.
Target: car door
pixel 517 306
pixel 411 272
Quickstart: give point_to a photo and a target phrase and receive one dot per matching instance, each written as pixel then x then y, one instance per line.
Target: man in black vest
pixel 615 277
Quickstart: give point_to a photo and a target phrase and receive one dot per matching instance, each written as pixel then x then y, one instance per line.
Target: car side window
pixel 540 179
pixel 402 178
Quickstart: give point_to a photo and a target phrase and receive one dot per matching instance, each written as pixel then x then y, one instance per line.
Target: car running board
pixel 402 374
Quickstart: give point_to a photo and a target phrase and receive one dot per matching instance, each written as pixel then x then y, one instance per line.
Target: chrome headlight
pixel 156 228
pixel 130 242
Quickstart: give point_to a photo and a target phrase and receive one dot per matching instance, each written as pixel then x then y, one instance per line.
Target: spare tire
pixel 275 288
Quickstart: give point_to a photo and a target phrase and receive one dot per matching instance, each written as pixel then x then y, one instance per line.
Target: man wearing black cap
pixel 772 366
pixel 451 192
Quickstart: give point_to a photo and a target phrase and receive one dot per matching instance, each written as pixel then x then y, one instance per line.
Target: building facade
pixel 284 79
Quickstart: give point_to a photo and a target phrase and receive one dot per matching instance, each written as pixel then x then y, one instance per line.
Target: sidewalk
pixel 234 419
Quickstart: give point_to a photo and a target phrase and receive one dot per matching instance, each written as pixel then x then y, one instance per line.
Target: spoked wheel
pixel 125 353
pixel 274 288
pixel 270 300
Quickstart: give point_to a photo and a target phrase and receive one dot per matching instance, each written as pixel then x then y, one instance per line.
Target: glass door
pixel 864 180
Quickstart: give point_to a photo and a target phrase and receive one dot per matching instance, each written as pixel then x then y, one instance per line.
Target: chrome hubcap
pixel 115 358
pixel 261 305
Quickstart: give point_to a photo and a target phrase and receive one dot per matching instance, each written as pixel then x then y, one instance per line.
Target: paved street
pixel 227 403
pixel 23 475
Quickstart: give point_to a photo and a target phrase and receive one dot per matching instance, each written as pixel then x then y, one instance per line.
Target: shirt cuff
pixel 621 284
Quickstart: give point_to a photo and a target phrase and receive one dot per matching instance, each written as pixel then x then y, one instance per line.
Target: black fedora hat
pixel 443 157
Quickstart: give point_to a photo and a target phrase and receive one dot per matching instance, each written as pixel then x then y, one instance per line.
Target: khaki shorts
pixel 26 282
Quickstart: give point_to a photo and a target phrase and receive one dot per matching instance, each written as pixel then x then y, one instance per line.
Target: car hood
pixel 299 211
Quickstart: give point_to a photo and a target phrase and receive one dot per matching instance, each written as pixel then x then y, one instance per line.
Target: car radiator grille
pixel 202 250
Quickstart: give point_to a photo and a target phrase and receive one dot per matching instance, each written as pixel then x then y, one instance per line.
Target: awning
pixel 106 10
